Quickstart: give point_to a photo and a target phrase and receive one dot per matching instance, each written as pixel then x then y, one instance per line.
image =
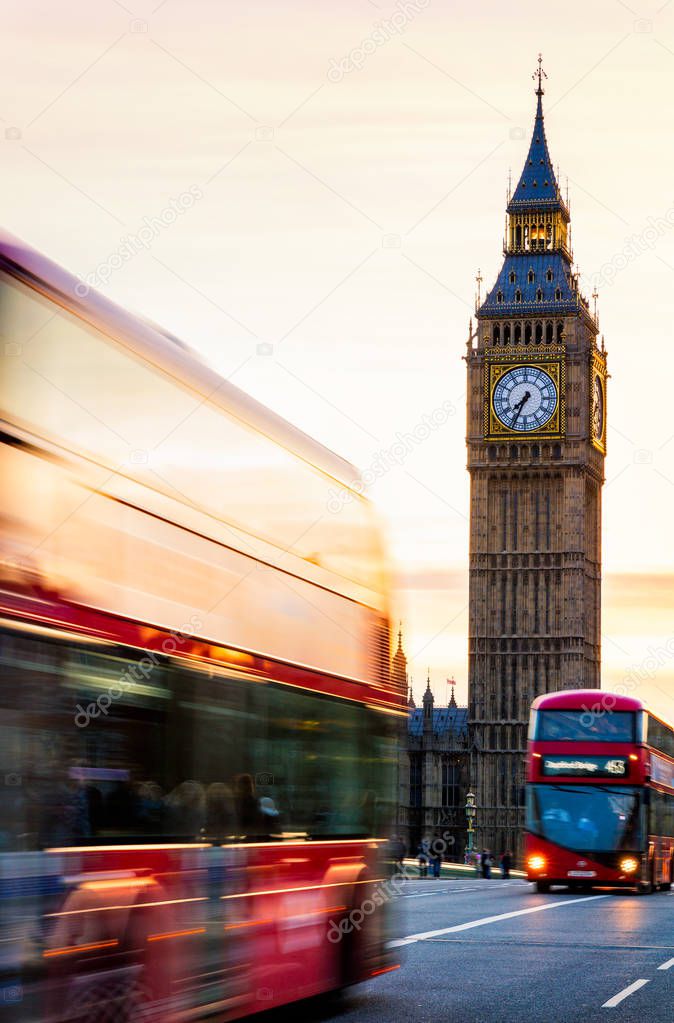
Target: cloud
pixel 419 579
pixel 639 589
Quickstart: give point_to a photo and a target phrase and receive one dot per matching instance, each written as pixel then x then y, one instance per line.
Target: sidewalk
pixel 459 870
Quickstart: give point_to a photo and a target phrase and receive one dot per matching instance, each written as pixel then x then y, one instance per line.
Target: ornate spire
pixel 399 666
pixel 537 186
pixel 452 700
pixel 536 278
pixel 428 702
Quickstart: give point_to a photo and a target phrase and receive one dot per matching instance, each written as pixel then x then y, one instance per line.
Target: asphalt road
pixel 493 951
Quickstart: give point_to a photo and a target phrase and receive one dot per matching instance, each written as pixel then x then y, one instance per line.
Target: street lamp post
pixel 471 811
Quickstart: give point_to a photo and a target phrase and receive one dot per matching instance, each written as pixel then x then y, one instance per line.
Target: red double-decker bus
pixel 197 724
pixel 600 793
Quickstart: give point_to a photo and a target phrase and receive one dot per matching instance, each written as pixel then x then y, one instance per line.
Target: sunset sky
pixel 342 213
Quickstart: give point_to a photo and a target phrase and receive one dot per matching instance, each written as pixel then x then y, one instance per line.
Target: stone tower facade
pixel 536 439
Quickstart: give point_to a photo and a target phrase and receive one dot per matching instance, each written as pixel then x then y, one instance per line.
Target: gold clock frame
pixel 550 359
pixel 597 369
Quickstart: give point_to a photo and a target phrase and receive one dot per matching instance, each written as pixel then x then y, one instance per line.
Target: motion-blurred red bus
pixel 197 731
pixel 600 793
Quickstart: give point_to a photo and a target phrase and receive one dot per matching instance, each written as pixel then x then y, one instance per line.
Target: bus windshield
pixel 586 818
pixel 584 726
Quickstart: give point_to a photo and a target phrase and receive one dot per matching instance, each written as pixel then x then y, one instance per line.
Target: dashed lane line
pixel 667 966
pixel 439 891
pixel 423 895
pixel 625 993
pixel 411 939
pixel 452 891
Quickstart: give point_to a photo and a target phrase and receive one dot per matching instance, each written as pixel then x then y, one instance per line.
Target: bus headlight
pixel 536 862
pixel 629 865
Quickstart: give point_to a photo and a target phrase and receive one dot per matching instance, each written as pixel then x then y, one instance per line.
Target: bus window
pixel 100 747
pixel 586 818
pixel 660 736
pixel 584 726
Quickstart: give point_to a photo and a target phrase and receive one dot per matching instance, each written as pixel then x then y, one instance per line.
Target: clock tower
pixel 536 438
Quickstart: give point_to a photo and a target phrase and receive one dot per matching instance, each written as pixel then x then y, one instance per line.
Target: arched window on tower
pixel 548 235
pixel 518 333
pixel 506 334
pixel 496 333
pixel 531 277
pixel 548 332
pixel 549 274
pixel 527 333
pixel 499 297
pixel 558 295
pixel 518 237
pixel 518 295
pixel 560 332
pixel 541 236
pixel 539 294
pixel 539 333
pixel 512 277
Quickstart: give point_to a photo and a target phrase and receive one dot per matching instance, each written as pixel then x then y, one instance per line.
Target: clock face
pixel 598 408
pixel 525 398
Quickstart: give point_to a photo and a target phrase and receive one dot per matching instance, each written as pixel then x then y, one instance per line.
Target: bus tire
pixel 542 887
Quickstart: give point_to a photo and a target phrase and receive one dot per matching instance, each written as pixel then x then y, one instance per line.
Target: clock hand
pixel 520 405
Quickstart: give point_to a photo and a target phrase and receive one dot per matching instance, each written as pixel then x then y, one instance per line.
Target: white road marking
pixel 423 895
pixel 667 966
pixel 439 891
pixel 625 993
pixel 424 935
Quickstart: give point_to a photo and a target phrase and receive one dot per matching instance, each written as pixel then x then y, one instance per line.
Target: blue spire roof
pixel 537 185
pixel 532 283
pixel 452 719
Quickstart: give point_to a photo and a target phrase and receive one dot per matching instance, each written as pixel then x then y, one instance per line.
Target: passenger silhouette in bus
pixel 219 810
pixel 556 824
pixel 588 832
pixel 120 808
pixel 271 818
pixel 186 810
pixel 65 810
pixel 249 815
pixel 150 807
pixel 367 812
